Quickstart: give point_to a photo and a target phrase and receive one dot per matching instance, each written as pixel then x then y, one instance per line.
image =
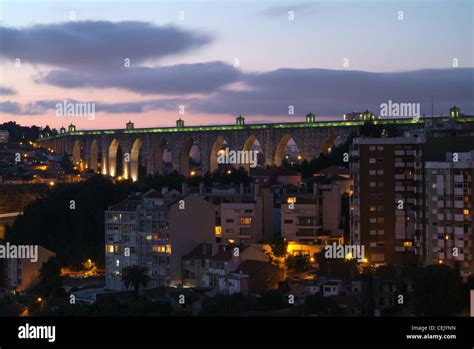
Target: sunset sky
pixel 191 61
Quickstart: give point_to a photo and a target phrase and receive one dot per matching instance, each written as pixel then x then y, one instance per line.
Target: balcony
pixel 307 232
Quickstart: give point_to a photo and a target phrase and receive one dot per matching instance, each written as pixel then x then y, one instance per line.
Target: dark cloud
pixel 96 44
pixel 15 108
pixel 335 92
pixel 44 106
pixel 176 79
pixel 5 91
pixel 323 92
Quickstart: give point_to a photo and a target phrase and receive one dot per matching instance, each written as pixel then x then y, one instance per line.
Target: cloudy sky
pixel 220 59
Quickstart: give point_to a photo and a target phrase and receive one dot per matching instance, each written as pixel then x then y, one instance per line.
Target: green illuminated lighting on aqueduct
pixel 406 121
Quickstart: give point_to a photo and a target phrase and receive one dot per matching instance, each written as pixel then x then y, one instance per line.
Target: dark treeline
pixel 19 133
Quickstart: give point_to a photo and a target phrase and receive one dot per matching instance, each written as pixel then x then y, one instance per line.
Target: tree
pixel 74 235
pixel 135 276
pixel 50 277
pixel 298 263
pixel 438 291
pixel 279 247
pixel 67 165
pixel 271 300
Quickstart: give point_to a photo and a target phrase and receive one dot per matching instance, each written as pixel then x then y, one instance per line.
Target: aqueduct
pixel 121 152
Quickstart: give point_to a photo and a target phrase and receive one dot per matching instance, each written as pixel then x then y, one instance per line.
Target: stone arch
pixel 159 156
pixel 216 147
pixel 113 151
pixel 282 144
pixel 184 163
pixel 135 159
pixel 76 152
pixel 328 144
pixel 94 156
pixel 251 143
pixel 195 163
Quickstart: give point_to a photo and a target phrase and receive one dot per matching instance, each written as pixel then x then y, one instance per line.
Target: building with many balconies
pixel 449 212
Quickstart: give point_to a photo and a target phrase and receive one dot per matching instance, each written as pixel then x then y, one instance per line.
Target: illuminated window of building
pixel 407 244
pixel 218 231
pixel 466 212
pixel 149 237
pixel 245 220
pixel 162 248
pixel 117 263
pixel 110 248
pixel 291 200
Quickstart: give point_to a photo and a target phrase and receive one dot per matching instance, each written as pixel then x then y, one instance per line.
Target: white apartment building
pixel 136 233
pixel 154 230
pixel 449 234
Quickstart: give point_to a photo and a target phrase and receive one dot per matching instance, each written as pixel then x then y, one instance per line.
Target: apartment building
pixel 154 230
pixel 312 214
pixel 449 223
pixel 387 206
pixel 243 215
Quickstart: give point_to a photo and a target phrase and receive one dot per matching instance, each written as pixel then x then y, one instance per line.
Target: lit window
pixel 407 244
pixel 110 248
pixel 245 220
pixel 162 248
pixel 218 231
pixel 466 212
pixel 117 263
pixel 291 200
